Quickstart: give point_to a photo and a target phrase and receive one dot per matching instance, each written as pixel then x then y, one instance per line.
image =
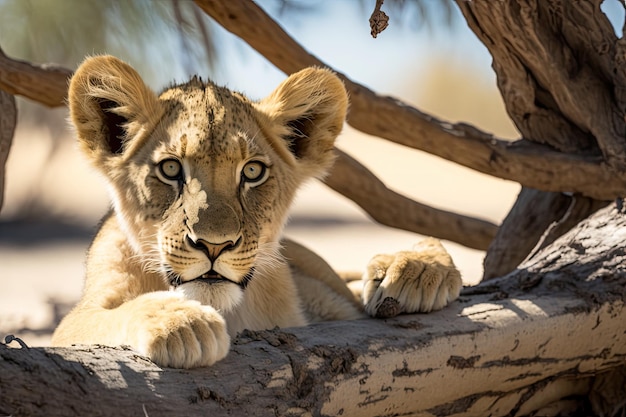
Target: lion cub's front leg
pixel 176 332
pixel 420 280
pixel 170 330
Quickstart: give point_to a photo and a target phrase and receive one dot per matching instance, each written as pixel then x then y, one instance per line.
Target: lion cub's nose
pixel 213 250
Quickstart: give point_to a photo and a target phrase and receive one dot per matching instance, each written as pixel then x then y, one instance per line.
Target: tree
pixel 559 69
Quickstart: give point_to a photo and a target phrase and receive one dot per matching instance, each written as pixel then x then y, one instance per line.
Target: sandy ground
pixel 41 265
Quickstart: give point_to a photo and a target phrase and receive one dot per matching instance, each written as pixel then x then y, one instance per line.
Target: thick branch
pixel 46 84
pixel 507 347
pixel 530 164
pixel 353 180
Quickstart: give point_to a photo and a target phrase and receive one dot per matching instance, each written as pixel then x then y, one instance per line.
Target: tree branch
pixel 530 164
pixel 356 182
pixel 46 84
pixel 507 347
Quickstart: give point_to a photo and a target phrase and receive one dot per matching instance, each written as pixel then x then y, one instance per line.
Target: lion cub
pixel 201 179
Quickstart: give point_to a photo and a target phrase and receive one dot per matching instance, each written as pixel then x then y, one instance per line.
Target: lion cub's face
pixel 201 177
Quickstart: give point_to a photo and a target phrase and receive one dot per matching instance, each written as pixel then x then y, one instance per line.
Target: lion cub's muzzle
pixel 212 252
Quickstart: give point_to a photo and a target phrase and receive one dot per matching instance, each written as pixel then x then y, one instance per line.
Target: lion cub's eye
pixel 254 172
pixel 171 169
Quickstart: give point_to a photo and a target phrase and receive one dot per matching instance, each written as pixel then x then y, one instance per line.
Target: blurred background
pixel 426 57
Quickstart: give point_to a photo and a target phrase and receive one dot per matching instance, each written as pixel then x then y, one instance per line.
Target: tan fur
pixel 201 179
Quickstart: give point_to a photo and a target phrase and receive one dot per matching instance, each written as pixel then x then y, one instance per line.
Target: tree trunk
pixel 8 118
pixel 533 212
pixel 558 66
pixel 536 220
pixel 548 337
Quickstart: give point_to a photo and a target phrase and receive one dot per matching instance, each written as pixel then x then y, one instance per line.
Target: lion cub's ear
pixel 307 112
pixel 109 106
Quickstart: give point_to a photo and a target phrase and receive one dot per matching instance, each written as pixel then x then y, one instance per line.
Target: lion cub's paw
pixel 178 333
pixel 420 280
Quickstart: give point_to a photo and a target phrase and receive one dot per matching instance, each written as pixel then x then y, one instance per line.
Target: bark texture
pixel 547 338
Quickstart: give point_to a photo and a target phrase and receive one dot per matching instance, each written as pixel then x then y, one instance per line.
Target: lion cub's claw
pixel 178 333
pixel 421 280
